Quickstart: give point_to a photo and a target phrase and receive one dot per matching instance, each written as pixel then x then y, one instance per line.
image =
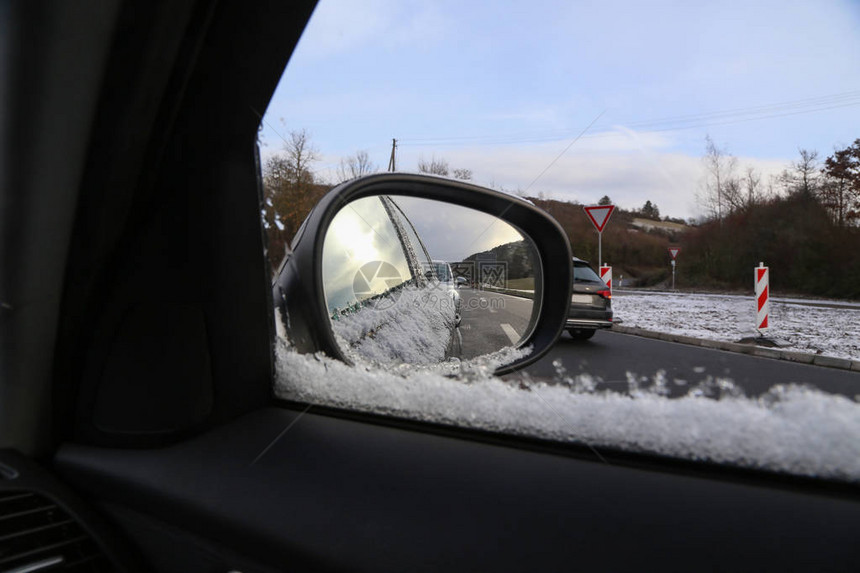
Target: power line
pixel 551 163
pixel 725 117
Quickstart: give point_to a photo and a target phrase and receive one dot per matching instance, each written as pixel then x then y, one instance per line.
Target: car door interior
pixel 157 426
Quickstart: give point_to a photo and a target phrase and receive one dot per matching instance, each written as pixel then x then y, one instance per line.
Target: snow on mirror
pixel 417 281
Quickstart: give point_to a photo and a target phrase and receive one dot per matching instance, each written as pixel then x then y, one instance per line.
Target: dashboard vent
pixel 36 536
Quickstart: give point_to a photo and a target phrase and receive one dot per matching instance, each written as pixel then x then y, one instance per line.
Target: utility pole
pixel 392 163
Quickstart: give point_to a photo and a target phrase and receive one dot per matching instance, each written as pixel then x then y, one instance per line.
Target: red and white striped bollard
pixel 606 275
pixel 762 297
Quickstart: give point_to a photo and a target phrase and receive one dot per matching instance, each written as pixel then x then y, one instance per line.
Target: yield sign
pixel 674 252
pixel 599 215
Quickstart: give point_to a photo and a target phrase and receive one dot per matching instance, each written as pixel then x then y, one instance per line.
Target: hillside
pixel 637 253
pixel 518 257
pixel 808 251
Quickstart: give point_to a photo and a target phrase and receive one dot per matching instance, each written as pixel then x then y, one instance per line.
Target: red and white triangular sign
pixel 674 252
pixel 599 215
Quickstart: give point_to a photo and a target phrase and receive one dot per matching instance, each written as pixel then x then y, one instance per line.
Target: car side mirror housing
pixel 357 285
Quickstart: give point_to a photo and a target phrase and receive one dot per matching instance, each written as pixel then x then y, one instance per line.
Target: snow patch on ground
pixel 790 429
pixel 814 330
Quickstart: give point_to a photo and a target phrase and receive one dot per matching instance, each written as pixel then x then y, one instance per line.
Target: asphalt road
pixel 609 356
pixel 491 321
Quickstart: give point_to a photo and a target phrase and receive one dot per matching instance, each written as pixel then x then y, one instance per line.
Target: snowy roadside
pixel 810 329
pixel 789 429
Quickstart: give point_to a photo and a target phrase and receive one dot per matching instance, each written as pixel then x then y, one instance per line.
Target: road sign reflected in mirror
pixel 436 281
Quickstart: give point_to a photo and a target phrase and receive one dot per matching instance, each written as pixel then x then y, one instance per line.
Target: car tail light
pixel 605 293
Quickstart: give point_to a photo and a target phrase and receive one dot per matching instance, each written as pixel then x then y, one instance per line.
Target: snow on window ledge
pixel 792 429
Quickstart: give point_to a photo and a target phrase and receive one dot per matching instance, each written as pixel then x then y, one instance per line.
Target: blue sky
pixel 503 88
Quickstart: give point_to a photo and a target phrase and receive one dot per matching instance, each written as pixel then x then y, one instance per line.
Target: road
pixel 491 321
pixel 609 356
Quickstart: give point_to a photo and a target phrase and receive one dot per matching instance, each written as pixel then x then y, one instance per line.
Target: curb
pixel 509 292
pixel 751 349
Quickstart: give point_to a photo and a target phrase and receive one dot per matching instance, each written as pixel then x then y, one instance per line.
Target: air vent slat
pixel 44 549
pixel 9 497
pixel 26 512
pixel 82 561
pixel 35 530
pixel 38 566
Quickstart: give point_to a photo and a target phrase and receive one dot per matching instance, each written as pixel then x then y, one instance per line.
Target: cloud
pixel 629 173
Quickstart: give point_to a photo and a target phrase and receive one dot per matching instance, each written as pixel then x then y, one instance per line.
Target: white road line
pixel 512 334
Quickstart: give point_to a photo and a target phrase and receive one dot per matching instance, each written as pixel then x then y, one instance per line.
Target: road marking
pixel 512 334
pixel 484 305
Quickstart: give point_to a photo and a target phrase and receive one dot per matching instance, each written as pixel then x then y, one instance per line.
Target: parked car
pixel 448 283
pixel 590 302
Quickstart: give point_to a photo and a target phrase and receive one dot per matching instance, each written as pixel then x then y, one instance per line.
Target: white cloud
pixel 630 167
pixel 630 173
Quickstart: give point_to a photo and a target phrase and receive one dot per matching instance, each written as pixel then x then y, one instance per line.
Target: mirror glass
pixel 419 281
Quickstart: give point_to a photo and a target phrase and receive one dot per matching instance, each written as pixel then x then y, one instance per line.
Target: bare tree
pixel 434 166
pixel 741 193
pixel 805 171
pixel 755 193
pixel 733 194
pixel 802 176
pixel 299 155
pixel 355 166
pixel 289 189
pixel 463 173
pixel 721 187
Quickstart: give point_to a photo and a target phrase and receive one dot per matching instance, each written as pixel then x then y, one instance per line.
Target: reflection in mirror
pixel 418 281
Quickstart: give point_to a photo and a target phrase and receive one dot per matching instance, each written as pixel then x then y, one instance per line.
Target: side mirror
pixel 358 283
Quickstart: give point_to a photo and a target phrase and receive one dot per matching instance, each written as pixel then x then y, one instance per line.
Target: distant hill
pixel 518 255
pixel 639 253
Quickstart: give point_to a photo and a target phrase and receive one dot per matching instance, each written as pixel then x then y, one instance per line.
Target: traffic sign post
pixel 599 215
pixel 674 252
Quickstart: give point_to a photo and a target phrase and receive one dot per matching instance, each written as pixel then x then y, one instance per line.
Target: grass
pixel 522 284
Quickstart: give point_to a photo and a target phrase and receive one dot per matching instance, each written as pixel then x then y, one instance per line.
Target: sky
pixel 574 100
pixel 452 232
